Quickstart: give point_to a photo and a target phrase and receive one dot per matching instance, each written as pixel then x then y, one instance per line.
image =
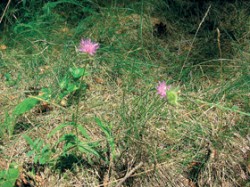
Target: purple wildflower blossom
pixel 86 46
pixel 162 88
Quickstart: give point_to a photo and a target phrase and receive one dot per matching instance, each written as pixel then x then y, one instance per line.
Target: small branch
pixel 1 19
pixel 129 174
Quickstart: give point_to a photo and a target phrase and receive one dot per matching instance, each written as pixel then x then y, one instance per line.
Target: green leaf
pixel 46 93
pixel 68 146
pixel 63 94
pixel 13 173
pixel 8 177
pixel 107 131
pixel 46 149
pixel 30 153
pixel 26 105
pixel 77 72
pixel 68 138
pixel 29 140
pixel 112 145
pixel 36 142
pixel 7 76
pixel 84 148
pixel 36 158
pixel 83 131
pixel 2 174
pixel 8 124
pixel 6 184
pixel 64 83
pixel 57 129
pixel 172 97
pixel 72 87
pixel 42 160
pixel 24 3
pixel 38 145
pixel 104 128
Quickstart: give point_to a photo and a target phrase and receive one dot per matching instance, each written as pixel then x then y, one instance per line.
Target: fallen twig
pixel 129 174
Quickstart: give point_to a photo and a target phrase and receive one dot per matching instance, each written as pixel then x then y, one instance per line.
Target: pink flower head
pixel 162 88
pixel 86 46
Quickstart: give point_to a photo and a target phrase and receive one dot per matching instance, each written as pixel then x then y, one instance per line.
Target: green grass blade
pixel 83 131
pixel 25 106
pixel 57 129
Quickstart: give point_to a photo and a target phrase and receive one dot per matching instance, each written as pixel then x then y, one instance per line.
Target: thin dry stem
pixel 192 43
pixel 1 19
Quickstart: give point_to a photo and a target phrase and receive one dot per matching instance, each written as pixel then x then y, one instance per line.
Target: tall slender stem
pixel 76 114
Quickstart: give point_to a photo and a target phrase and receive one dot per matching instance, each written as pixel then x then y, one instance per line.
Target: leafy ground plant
pixel 8 177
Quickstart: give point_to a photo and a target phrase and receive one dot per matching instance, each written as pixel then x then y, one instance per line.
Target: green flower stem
pixel 75 116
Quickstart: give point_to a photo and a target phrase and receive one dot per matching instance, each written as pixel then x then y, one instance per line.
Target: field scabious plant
pixel 166 91
pixel 78 139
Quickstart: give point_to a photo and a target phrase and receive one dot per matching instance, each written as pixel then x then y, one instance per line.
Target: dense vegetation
pixel 124 93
